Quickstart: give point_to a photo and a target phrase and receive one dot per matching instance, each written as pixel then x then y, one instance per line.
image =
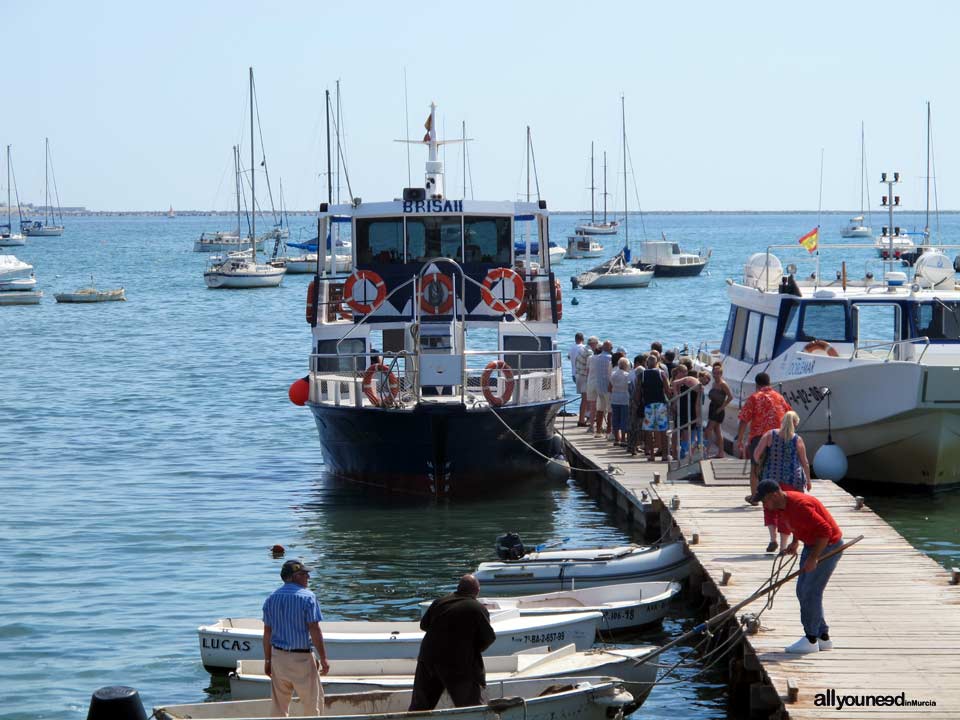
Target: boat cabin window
pixel 341 364
pixel 753 335
pixel 824 321
pixel 437 236
pixel 379 240
pixel 537 361
pixel 768 337
pixel 487 240
pixel 937 320
pixel 876 323
pixel 738 330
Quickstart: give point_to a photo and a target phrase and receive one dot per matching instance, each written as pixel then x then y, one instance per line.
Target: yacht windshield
pixel 937 320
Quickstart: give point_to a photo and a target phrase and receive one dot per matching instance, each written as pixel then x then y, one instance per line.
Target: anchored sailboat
pixel 8 238
pixel 240 270
pixel 49 227
pixel 856 227
pixel 593 227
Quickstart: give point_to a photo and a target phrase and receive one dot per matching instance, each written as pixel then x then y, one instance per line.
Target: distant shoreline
pixel 881 215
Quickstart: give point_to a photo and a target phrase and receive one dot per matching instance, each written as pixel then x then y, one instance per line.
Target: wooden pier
pixel 894 613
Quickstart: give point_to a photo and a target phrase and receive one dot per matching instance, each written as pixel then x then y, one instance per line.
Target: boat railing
pixel 686 436
pixel 904 350
pixel 338 379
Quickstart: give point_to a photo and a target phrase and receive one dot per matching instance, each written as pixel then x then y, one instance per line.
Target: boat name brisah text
pixel 432 206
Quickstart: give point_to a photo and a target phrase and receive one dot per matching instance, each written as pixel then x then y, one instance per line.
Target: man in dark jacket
pixel 457 632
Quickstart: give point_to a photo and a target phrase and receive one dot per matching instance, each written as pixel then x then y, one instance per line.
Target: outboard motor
pixel 510 547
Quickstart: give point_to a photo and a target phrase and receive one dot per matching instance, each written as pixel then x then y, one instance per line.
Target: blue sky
pixel 728 104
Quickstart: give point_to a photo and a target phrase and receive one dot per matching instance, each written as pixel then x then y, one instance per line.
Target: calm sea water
pixel 149 458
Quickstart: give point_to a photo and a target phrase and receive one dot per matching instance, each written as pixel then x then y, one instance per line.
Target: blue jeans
pixel 810 587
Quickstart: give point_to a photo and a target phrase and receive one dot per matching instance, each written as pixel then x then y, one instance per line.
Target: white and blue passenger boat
pixel 434 368
pixel 886 345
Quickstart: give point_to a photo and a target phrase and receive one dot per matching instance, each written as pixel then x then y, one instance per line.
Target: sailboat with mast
pixel 856 227
pixel 593 227
pixel 617 272
pixel 226 241
pixel 8 238
pixel 240 269
pixel 50 226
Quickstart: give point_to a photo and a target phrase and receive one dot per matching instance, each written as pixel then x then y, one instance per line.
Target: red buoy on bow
pixel 299 392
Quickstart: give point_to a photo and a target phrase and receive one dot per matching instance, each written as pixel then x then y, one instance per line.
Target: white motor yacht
pixel 885 348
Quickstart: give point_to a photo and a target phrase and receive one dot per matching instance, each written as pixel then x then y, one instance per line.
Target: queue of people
pixel 651 404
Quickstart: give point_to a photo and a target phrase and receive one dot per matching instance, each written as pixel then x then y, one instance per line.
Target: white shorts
pixel 581 385
pixel 591 393
pixel 603 402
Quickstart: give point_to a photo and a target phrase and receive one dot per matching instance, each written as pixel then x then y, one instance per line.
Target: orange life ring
pixel 821 346
pixel 446 305
pixel 507 372
pixel 504 276
pixel 393 385
pixel 312 303
pixel 558 298
pixel 366 276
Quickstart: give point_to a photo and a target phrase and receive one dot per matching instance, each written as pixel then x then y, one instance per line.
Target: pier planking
pixel 894 616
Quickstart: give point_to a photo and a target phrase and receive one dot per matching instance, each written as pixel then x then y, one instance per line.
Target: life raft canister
pixel 373 389
pixel 507 372
pixel 360 281
pixel 436 294
pixel 511 290
pixel 821 346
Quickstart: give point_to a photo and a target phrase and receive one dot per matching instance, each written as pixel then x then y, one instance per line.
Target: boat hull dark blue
pixel 437 450
pixel 674 270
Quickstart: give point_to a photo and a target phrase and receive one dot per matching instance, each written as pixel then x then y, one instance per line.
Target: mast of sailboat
pixel 464 137
pixel 322 253
pixel 626 215
pixel 926 228
pixel 593 188
pixel 236 183
pixel 604 187
pixel 9 225
pixel 528 163
pixel 339 118
pixel 862 170
pixel 46 180
pixel 253 180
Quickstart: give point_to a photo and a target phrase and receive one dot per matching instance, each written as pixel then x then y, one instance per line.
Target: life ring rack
pixel 821 346
pixel 507 372
pixel 358 306
pixel 504 304
pixel 446 305
pixel 373 393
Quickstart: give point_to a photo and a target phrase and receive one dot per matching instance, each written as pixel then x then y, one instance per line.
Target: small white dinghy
pixel 91 294
pixel 591 698
pixel 625 607
pixel 229 640
pixel 553 570
pixel 248 681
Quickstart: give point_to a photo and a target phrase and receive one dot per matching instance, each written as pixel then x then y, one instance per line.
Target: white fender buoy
pixel 558 469
pixel 830 462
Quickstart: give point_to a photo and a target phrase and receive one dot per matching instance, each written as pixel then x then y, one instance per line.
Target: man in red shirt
pixel 815 526
pixel 764 410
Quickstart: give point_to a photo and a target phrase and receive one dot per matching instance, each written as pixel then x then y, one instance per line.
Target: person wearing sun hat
pixel 291 633
pixel 812 524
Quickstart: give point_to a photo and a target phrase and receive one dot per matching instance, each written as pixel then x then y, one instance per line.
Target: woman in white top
pixel 620 400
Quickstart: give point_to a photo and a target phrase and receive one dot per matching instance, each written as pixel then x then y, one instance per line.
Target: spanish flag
pixel 429 126
pixel 810 240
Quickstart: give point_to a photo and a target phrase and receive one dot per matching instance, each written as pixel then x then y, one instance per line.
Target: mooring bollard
pixel 656 478
pixel 858 502
pixel 725 580
pixel 116 702
pixel 675 502
pixel 955 576
pixel 695 538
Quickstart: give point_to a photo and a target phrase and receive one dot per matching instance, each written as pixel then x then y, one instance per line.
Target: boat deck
pixel 894 614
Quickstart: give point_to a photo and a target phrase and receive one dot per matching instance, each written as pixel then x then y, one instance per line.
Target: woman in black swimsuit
pixel 720 396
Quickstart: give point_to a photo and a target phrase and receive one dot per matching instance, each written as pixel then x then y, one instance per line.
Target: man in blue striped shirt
pixel 291 621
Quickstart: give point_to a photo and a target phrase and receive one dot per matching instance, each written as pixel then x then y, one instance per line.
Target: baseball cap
pixel 291 567
pixel 764 488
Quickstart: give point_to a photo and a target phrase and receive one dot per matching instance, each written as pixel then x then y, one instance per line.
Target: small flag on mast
pixel 810 240
pixel 429 126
